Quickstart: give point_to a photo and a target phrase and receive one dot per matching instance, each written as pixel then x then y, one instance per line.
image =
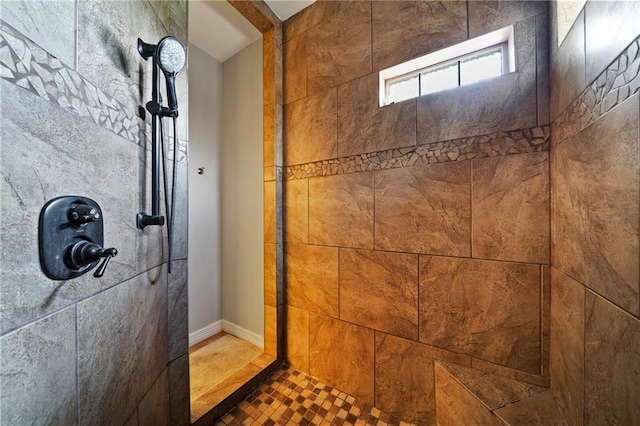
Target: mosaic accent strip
pixel 27 65
pixel 496 144
pixel 615 84
pixel 290 397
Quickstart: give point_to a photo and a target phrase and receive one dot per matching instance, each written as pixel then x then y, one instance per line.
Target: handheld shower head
pixel 170 57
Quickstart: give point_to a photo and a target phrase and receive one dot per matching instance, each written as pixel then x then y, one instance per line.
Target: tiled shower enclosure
pixel 91 351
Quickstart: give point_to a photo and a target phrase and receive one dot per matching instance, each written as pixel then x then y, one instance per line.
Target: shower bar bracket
pixel 155 108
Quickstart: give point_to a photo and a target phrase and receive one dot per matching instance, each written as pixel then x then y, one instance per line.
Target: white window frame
pixel 456 53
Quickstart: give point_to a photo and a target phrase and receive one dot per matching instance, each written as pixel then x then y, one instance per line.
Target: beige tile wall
pixel 595 219
pixel 402 246
pixel 482 308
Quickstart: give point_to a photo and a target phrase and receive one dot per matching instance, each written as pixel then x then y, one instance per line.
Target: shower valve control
pixel 83 213
pixel 84 253
pixel 71 238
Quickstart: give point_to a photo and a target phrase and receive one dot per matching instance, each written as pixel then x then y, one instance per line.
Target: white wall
pixel 205 150
pixel 242 187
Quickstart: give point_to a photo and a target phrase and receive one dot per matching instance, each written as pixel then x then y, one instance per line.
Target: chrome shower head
pixel 170 55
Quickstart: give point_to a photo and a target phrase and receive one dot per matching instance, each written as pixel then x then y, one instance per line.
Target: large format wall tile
pixel 342 354
pixel 310 128
pixel 339 46
pixel 567 69
pixel 108 55
pixel 404 30
pixel 50 24
pixel 405 383
pixel 545 321
pixel 173 15
pixel 181 213
pixel 612 364
pixel 152 245
pixel 543 76
pixel 31 67
pixel 364 126
pixel 295 62
pixel 486 16
pixel 511 208
pixel 341 210
pixel 179 397
pixel 122 340
pixel 601 44
pixel 618 82
pixel 540 409
pixel 152 241
pixel 154 407
pixel 489 310
pixel 597 206
pixel 296 211
pixel 68 135
pixel 308 17
pixel 380 290
pixel 269 274
pixel 297 338
pixel 178 311
pixel 455 405
pixel 39 154
pixel 38 372
pixel 424 209
pixel 312 278
pixel 503 103
pixel 271 334
pixel 476 109
pixel 492 388
pixel 567 345
pixel 271 229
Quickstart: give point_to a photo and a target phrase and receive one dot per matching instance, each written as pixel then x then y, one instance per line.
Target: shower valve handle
pixel 84 253
pixel 107 254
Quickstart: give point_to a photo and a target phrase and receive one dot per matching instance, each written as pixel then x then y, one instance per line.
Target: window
pixel 487 56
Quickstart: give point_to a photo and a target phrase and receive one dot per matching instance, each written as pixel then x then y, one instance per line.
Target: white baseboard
pixel 226 326
pixel 205 332
pixel 243 333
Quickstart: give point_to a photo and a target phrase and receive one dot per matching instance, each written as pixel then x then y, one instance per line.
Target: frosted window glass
pixel 401 90
pixel 481 67
pixel 439 79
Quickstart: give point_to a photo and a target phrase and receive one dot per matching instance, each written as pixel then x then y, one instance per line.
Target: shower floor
pixel 290 397
pixel 218 366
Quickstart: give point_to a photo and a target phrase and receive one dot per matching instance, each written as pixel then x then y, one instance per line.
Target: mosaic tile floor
pixel 290 397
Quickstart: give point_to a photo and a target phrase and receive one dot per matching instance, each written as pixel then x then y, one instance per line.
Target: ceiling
pixel 287 8
pixel 220 30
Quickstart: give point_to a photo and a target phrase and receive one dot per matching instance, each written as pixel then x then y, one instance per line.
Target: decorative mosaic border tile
pixel 27 65
pixel 497 144
pixel 290 397
pixel 618 82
